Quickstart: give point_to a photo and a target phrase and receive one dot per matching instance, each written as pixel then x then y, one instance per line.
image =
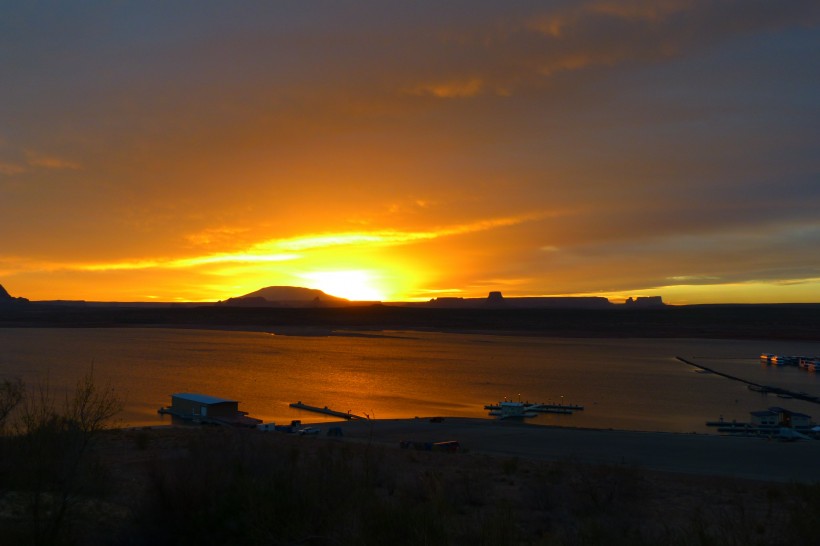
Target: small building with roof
pixel 208 409
pixel 764 418
pixel 780 417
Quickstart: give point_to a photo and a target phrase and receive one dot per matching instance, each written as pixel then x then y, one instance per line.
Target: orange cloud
pixel 454 89
pixel 11 169
pixel 390 237
pixel 581 35
pixel 559 23
pixel 36 159
pixel 214 235
pixel 274 250
pixel 213 259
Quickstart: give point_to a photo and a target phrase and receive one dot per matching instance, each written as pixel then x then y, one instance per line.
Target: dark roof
pixel 777 409
pixel 763 413
pixel 201 398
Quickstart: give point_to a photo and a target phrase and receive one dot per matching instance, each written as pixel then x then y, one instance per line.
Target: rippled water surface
pixel 623 383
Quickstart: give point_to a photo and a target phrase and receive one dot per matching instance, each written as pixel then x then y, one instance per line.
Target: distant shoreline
pixel 799 322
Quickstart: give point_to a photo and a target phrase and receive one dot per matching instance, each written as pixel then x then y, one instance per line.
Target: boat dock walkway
pixel 548 407
pixel 325 410
pixel 764 389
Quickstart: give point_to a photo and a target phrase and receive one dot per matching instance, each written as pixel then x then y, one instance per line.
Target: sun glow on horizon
pixel 352 285
pixel 378 265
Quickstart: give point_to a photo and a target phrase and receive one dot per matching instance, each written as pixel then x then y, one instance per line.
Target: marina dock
pixel 325 410
pixel 548 408
pixel 763 389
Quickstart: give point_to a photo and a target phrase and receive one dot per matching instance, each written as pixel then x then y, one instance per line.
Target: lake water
pixel 635 384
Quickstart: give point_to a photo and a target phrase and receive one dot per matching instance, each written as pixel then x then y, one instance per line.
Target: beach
pixel 699 454
pixel 510 483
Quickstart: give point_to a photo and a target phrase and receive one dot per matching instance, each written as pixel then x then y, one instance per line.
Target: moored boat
pixel 512 410
pixel 541 408
pixel 206 409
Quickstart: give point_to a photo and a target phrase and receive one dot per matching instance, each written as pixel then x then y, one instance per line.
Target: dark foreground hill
pixel 212 485
pixel 798 322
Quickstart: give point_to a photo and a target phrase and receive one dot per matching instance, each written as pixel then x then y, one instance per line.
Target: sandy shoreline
pixel 701 454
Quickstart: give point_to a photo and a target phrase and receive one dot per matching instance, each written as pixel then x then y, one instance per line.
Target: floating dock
pixel 325 410
pixel 752 386
pixel 554 409
pixel 559 407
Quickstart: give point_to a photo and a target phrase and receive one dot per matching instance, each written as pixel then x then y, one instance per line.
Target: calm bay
pixel 634 384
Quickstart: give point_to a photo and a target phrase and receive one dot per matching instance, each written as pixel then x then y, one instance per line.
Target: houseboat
pixel 203 408
pixel 512 410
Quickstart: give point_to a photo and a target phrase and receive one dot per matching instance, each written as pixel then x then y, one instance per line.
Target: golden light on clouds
pixel 354 265
pixel 546 148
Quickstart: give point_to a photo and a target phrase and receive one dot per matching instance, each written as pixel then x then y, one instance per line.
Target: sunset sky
pixel 195 151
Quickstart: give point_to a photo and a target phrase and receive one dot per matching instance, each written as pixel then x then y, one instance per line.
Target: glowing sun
pixel 352 285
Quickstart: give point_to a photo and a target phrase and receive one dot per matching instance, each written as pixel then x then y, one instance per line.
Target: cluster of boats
pixel 508 409
pixel 808 363
pixel 773 422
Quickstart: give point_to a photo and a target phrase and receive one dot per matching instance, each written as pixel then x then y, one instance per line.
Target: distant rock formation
pixel 644 302
pixel 446 302
pixel 579 302
pixel 285 296
pixel 6 298
pixel 245 302
pixel 496 300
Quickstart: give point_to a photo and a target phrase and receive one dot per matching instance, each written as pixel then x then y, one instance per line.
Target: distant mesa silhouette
pixel 496 300
pixel 6 298
pixel 299 297
pixel 286 296
pixel 644 302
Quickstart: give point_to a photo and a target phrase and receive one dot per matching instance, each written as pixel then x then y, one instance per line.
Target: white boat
pixel 542 407
pixel 512 410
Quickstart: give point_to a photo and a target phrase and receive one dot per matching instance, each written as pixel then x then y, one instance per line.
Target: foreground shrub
pixel 47 466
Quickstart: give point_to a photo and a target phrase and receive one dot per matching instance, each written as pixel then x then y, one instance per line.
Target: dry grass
pixel 213 485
